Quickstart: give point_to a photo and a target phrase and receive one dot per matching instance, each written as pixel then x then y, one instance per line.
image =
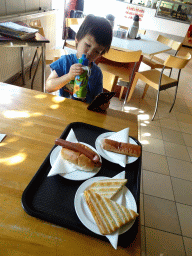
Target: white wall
pixel 9 7
pixel 100 7
pixel 149 22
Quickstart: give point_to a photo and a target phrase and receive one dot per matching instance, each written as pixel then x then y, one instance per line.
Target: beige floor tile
pixel 155 162
pixel 161 214
pixel 142 220
pixel 148 123
pixel 172 136
pixel 170 124
pixel 190 109
pixel 162 243
pixel 184 118
pixel 115 101
pixel 164 97
pixel 190 152
pixel 151 94
pixel 141 186
pixel 182 190
pixel 188 139
pixel 153 145
pixel 151 131
pixel 185 127
pixel 185 213
pixel 143 253
pixel 115 107
pixel 189 103
pixel 182 108
pixel 134 109
pixel 164 114
pixel 180 169
pixel 188 245
pixel 156 184
pixel 177 151
pixel 146 115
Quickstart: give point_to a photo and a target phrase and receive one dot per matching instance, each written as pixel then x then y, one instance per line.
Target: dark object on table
pixel 99 100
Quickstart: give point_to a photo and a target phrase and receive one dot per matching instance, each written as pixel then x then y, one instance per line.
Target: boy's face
pixel 89 47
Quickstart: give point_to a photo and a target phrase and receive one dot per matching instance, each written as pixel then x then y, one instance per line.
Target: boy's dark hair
pixel 99 28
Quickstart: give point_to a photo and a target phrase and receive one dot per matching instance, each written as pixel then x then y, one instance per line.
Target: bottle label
pixel 80 84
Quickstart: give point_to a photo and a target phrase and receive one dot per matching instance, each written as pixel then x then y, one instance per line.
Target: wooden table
pixel 37 41
pixel 145 44
pixel 32 121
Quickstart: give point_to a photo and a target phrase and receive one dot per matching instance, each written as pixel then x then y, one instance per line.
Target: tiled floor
pixel 166 192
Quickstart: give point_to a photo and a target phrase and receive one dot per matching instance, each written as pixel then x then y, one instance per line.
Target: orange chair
pixel 121 65
pixel 160 81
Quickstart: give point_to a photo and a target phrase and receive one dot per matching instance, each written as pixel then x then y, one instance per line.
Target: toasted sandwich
pixel 108 215
pixel 108 187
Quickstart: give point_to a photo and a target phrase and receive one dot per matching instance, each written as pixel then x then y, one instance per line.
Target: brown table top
pixel 32 121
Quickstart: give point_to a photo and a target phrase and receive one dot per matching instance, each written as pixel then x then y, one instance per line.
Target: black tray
pixel 52 198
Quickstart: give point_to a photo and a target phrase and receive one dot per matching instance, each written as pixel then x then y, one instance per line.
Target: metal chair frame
pixel 159 80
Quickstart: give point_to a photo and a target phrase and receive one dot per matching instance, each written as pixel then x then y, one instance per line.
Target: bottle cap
pixel 85 61
pixel 80 60
pixel 136 18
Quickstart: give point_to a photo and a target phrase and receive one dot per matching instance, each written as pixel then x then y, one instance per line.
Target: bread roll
pixel 121 148
pixel 79 160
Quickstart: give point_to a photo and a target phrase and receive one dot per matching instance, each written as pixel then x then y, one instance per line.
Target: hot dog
pixel 121 148
pixel 79 154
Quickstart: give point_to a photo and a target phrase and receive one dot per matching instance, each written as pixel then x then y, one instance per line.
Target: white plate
pixel 84 213
pixel 77 175
pixel 110 156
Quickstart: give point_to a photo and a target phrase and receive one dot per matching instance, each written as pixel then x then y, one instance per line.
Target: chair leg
pixel 157 101
pixel 32 63
pixel 121 92
pixel 170 72
pixel 145 91
pixel 35 71
pixel 132 88
pixel 174 98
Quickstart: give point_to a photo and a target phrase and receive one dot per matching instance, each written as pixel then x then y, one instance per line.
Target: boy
pixel 93 39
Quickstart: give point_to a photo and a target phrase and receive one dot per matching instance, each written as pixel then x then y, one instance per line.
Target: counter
pixel 149 21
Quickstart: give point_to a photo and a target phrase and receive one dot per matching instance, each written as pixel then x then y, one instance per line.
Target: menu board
pixel 131 11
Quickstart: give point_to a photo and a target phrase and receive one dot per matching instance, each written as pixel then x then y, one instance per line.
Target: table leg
pixel 43 67
pixel 22 65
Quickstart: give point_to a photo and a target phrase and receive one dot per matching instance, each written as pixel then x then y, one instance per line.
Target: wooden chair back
pixel 122 56
pixel 123 27
pixel 73 21
pixel 177 62
pixel 169 42
pixel 37 25
pixel 118 64
pixel 142 31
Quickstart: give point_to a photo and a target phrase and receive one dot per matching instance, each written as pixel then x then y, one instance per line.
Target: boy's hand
pixel 75 70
